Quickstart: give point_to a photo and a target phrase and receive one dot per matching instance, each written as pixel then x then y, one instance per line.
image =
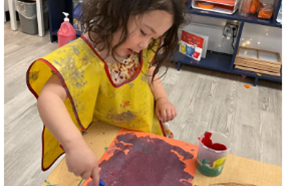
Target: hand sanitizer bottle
pixel 66 32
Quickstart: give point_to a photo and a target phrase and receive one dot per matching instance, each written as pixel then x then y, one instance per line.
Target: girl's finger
pixel 96 176
pixel 169 115
pixel 163 115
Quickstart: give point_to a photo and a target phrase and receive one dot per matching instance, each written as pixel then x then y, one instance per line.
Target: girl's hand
pixel 165 110
pixel 81 161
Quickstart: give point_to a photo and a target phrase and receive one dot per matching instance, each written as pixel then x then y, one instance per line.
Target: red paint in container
pixel 213 148
pixel 208 142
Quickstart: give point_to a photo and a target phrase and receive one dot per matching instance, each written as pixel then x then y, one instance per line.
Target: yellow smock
pixel 91 94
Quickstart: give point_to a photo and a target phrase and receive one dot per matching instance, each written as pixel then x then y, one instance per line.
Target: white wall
pixel 6 5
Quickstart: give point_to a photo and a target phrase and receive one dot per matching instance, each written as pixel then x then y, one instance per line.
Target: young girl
pixel 109 74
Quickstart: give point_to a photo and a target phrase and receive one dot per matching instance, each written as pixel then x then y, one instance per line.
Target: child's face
pixel 142 30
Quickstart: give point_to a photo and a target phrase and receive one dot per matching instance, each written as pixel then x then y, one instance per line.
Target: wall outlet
pixel 230 30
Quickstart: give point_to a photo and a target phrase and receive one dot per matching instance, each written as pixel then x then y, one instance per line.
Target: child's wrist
pixel 74 143
pixel 161 98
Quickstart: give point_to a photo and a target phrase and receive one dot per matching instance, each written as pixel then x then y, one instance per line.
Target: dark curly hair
pixel 105 17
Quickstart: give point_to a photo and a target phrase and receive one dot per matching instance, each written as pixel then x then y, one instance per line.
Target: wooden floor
pixel 205 100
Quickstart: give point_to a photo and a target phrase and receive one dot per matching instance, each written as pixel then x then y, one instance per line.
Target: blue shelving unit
pixel 250 19
pixel 225 62
pixel 213 60
pixel 257 77
pixel 221 62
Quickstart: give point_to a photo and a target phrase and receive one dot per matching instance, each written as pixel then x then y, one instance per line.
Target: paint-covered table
pixel 242 171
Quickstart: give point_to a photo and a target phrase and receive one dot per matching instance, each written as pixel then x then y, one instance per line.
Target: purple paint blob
pixel 145 161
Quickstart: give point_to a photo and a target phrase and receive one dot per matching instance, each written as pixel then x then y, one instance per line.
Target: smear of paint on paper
pixel 231 184
pixel 137 158
pixel 48 184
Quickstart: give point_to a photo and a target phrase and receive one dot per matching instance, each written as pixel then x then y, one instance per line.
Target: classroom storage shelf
pixel 250 19
pixel 225 62
pixel 213 60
